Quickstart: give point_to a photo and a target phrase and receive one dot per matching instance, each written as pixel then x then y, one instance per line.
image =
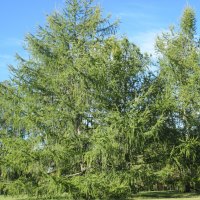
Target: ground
pixel 161 195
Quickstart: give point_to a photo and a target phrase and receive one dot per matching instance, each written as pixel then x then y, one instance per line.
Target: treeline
pixel 85 115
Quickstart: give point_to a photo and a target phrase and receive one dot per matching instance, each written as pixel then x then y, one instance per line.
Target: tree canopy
pixel 85 115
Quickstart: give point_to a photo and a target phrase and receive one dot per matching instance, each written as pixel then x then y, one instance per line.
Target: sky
pixel 140 20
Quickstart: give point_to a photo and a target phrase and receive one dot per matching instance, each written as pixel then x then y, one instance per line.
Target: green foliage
pixel 188 22
pixel 179 63
pixel 85 117
pixel 74 124
pixel 100 186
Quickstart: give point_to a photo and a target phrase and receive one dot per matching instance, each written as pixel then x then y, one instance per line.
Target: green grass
pixel 163 195
pixel 25 198
pixel 10 198
pixel 153 195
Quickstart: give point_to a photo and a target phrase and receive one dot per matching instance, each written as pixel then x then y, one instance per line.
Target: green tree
pixel 84 116
pixel 79 109
pixel 179 71
pixel 52 91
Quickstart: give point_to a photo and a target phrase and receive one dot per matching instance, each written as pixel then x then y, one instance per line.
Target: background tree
pixel 179 70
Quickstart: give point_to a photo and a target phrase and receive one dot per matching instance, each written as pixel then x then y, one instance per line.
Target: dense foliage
pixel 84 115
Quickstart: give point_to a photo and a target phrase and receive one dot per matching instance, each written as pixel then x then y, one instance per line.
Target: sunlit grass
pixel 163 195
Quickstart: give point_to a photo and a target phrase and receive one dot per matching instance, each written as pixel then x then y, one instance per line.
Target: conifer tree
pixel 79 111
pixel 84 116
pixel 179 70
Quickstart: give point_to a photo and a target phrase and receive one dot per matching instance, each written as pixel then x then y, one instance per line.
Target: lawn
pixel 153 195
pixel 25 198
pixel 163 195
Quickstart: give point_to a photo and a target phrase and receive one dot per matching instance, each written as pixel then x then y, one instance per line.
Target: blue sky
pixel 141 21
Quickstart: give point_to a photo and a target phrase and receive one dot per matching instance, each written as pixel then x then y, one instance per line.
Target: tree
pixel 82 106
pixel 53 102
pixel 179 70
pixel 85 117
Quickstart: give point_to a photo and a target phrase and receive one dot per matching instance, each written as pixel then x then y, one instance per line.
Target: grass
pixel 163 195
pixel 153 195
pixel 25 198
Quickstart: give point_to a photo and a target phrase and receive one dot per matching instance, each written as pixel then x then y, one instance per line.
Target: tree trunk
pixel 187 187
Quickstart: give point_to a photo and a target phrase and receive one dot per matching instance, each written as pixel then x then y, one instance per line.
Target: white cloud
pixel 146 40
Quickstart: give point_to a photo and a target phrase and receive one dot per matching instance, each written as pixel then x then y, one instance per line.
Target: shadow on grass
pixel 45 198
pixel 165 194
pixel 142 195
pixel 33 198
